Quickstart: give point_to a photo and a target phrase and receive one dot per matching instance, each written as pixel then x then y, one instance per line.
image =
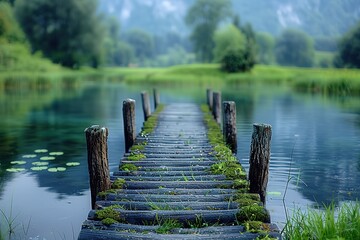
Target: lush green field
pixel 323 80
pixel 319 80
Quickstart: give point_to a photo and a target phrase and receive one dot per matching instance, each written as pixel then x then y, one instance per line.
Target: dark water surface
pixel 315 143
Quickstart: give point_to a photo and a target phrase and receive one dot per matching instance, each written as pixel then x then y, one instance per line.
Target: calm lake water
pixel 315 143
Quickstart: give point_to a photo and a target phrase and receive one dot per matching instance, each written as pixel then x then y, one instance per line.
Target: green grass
pixel 332 223
pixel 322 80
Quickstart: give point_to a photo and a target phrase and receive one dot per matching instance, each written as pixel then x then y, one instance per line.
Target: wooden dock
pixel 165 189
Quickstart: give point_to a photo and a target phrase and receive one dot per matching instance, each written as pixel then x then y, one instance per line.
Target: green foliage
pixel 109 215
pixel 167 225
pixel 68 32
pixel 174 56
pixel 349 47
pixel 231 50
pixel 9 27
pixel 266 45
pixel 324 59
pixel 332 223
pixel 117 52
pixel 128 167
pixel 118 183
pixel 294 48
pixel 14 49
pixel 246 199
pixel 142 43
pixel 253 213
pixel 136 156
pixel 204 17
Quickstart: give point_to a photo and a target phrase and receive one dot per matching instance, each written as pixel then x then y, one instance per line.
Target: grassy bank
pixel 325 81
pixel 332 223
pixel 328 81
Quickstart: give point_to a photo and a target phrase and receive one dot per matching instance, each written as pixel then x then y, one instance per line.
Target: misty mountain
pixel 315 17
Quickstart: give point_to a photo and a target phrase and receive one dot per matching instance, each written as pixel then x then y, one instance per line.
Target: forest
pixel 75 34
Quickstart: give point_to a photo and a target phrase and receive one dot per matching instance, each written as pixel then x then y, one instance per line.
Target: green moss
pixel 253 213
pixel 240 184
pixel 109 215
pixel 128 167
pixel 108 221
pixel 103 195
pixel 167 225
pixel 136 156
pixel 150 124
pixel 265 237
pixel 118 183
pixel 138 147
pixel 246 199
pixel 231 169
pixel 253 226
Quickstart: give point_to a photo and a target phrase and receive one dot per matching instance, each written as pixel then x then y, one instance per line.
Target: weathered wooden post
pixel 229 125
pixel 259 159
pixel 209 98
pixel 129 123
pixel 156 98
pixel 146 104
pixel 217 106
pixel 97 150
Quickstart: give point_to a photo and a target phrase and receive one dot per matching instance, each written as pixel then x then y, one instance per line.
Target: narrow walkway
pixel 170 194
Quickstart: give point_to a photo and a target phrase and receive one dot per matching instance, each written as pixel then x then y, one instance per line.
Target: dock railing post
pixel 156 98
pixel 98 166
pixel 209 98
pixel 146 104
pixel 129 123
pixel 259 159
pixel 217 107
pixel 229 125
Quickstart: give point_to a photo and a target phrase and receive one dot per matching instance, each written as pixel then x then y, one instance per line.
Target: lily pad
pixel 29 156
pixel 72 164
pixel 40 163
pixel 56 153
pixel 15 170
pixel 47 158
pixel 274 193
pixel 18 162
pixel 39 168
pixel 58 169
pixel 41 151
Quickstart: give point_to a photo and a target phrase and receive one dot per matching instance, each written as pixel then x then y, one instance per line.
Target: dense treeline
pixel 72 33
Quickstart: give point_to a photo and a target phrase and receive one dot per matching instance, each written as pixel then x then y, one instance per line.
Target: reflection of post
pixel 156 98
pixel 259 159
pixel 217 106
pixel 209 98
pixel 146 104
pixel 229 125
pixel 129 123
pixel 96 139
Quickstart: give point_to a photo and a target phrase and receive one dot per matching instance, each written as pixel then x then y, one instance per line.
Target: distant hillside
pixel 315 17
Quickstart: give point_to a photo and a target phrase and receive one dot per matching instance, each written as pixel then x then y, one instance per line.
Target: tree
pixel 251 48
pixel 266 45
pixel 230 50
pixel 349 48
pixel 117 52
pixel 9 27
pixel 205 16
pixel 68 31
pixel 142 42
pixel 294 48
